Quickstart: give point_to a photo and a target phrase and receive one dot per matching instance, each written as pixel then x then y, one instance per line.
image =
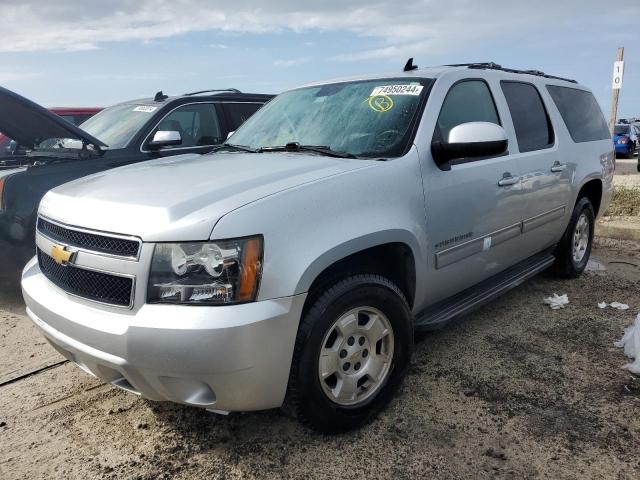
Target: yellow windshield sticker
pixel 380 103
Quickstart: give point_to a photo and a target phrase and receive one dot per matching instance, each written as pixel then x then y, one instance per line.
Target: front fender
pixel 353 246
pixel 308 228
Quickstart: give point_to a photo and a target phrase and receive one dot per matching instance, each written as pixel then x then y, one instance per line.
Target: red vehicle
pixel 73 115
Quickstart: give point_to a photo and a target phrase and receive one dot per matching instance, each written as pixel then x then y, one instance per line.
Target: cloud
pixel 15 77
pixel 421 26
pixel 291 62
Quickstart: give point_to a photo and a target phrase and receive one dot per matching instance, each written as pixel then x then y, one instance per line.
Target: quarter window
pixel 467 101
pixel 196 123
pixel 530 118
pixel 581 113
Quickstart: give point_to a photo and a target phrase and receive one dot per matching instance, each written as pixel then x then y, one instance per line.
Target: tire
pixel 567 264
pixel 313 400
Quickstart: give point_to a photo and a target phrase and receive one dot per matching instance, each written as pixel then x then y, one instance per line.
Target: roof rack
pixel 219 90
pixel 495 66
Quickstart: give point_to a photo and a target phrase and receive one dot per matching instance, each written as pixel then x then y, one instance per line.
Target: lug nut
pixel 357 366
pixel 351 341
pixel 346 366
pixel 343 353
pixel 365 352
pixel 361 341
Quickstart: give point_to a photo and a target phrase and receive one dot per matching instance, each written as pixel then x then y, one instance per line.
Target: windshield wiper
pixel 232 147
pixel 296 147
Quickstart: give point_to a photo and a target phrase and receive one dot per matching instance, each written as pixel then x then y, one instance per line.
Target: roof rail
pixel 219 90
pixel 496 66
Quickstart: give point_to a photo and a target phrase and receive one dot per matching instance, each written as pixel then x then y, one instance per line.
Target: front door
pixel 474 209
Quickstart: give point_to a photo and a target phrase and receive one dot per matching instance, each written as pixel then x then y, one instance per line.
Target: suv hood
pixel 181 198
pixel 28 123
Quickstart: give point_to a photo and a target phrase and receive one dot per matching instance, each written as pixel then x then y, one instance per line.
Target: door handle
pixel 558 167
pixel 507 180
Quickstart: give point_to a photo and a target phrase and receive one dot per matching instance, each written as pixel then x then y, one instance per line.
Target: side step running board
pixel 439 314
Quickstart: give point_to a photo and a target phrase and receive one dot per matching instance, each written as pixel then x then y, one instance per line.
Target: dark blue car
pixel 624 141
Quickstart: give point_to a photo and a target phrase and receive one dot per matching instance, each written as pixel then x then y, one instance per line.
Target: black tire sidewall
pixel 363 290
pixel 582 207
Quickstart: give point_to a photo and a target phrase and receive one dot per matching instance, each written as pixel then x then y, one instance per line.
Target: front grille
pixel 121 247
pixel 97 286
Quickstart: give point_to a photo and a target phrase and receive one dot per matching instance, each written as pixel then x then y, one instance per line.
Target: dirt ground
pixel 514 390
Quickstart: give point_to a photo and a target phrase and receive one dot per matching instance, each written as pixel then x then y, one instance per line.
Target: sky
pixel 96 53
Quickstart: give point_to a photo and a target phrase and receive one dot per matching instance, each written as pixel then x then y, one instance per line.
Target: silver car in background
pixel 293 264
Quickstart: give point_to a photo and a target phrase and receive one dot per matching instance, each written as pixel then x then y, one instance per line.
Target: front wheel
pixel 574 250
pixel 352 352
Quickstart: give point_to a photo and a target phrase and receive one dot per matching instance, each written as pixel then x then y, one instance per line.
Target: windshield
pixel 116 126
pixel 622 130
pixel 372 118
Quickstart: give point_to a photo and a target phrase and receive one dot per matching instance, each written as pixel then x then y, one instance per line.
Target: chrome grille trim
pixel 127 241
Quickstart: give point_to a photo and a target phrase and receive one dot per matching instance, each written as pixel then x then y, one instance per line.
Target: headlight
pixel 206 273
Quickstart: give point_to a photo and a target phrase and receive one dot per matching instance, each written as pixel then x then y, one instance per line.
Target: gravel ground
pixel 627 172
pixel 514 390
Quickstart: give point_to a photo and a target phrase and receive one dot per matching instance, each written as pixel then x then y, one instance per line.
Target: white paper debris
pixel 619 306
pixel 631 344
pixel 616 305
pixel 595 266
pixel 557 301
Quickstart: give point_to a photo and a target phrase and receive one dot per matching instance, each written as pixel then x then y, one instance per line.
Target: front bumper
pixel 231 358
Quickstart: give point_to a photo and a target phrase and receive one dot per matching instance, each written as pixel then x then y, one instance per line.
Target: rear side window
pixel 467 101
pixel 530 118
pixel 240 112
pixel 581 113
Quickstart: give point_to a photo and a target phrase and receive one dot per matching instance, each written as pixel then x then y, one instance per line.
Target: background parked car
pixel 119 135
pixel 11 154
pixel 623 141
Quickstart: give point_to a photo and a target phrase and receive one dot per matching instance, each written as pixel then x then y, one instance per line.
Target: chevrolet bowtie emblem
pixel 60 255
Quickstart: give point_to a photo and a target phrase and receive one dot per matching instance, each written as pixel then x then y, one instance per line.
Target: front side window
pixel 196 123
pixel 529 116
pixel 467 101
pixel 368 118
pixel 581 113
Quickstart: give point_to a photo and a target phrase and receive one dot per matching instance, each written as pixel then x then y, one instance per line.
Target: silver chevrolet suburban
pixel 291 265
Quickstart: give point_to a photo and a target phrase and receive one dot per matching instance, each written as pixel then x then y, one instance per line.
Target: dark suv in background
pixel 58 151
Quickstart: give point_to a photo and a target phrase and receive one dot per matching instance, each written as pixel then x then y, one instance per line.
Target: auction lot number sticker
pixel 397 90
pixel 145 108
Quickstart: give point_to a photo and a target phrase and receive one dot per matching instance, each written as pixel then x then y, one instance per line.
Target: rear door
pixel 474 210
pixel 546 179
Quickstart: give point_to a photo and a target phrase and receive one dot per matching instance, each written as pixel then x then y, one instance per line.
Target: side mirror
pixel 230 133
pixel 164 138
pixel 470 140
pixel 13 147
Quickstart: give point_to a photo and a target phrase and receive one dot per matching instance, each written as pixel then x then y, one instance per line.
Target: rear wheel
pixel 574 250
pixel 353 348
